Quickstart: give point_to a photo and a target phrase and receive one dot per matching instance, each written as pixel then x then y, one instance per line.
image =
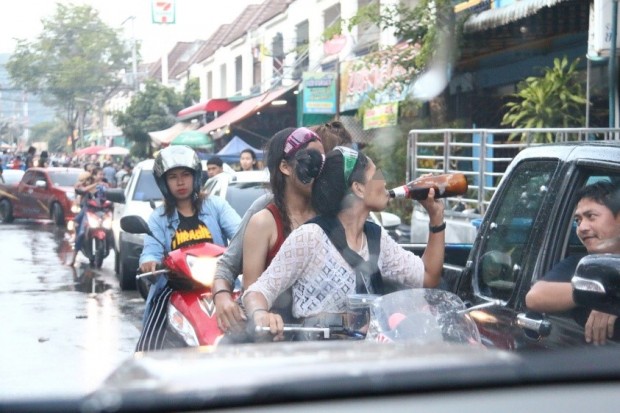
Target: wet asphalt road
pixel 63 329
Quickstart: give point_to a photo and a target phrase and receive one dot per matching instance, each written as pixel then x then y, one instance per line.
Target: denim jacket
pixel 217 214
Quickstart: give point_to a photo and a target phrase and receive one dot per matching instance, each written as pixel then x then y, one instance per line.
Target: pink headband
pixel 297 139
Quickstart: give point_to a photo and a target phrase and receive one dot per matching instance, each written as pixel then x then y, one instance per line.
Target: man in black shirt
pixel 598 227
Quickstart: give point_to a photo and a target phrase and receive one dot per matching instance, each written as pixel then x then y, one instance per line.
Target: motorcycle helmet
pixel 178 156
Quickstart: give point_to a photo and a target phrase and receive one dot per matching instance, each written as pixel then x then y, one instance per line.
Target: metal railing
pixel 482 155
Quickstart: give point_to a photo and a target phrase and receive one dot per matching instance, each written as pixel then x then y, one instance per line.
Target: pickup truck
pixel 527 228
pixel 42 193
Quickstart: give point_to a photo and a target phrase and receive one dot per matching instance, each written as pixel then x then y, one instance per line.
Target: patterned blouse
pixel 321 278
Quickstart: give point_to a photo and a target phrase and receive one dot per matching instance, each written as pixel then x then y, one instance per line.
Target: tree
pixel 74 60
pixel 152 109
pixel 53 133
pixel 191 92
pixel 426 42
pixel 555 99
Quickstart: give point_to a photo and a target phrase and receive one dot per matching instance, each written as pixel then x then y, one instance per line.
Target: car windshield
pixel 12 176
pixel 241 195
pixel 406 205
pixel 146 187
pixel 64 178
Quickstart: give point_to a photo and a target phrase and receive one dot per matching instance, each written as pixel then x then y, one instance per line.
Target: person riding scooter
pixel 87 188
pixel 188 216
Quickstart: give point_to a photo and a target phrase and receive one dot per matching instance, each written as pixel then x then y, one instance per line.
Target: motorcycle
pixel 414 316
pixel 97 232
pixel 190 272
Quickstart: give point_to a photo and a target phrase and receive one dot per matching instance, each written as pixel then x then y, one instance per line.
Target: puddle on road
pixel 86 280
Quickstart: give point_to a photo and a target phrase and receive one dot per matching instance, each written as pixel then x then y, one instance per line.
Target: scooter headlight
pixel 182 326
pixel 93 221
pixel 202 269
pixel 107 223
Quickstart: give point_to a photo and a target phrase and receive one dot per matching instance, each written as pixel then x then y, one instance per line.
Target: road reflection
pixel 68 327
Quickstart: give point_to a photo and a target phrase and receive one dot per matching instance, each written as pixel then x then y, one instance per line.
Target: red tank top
pixel 276 247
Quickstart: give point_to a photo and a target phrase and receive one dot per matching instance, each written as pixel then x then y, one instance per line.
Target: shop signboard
pixel 163 11
pixel 319 92
pixel 381 116
pixel 360 79
pixel 600 29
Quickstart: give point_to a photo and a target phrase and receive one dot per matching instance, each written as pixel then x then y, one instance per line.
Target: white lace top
pixel 321 278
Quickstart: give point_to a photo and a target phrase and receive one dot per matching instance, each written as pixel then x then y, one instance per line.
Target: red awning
pixel 245 109
pixel 212 105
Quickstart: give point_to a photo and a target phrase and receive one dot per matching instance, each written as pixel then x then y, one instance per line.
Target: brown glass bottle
pixel 445 185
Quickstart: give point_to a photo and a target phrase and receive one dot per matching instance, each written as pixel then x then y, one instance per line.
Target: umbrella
pixel 114 150
pixel 193 139
pixel 90 150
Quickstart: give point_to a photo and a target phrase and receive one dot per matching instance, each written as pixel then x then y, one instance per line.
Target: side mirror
pixel 115 195
pixel 596 283
pixel 134 224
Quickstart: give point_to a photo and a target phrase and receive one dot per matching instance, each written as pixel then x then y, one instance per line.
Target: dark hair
pixel 333 134
pixel 32 150
pixel 252 154
pixel 604 193
pixel 307 164
pixel 330 189
pixel 215 160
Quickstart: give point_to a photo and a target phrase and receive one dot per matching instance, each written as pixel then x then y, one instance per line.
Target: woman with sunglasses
pixel 348 188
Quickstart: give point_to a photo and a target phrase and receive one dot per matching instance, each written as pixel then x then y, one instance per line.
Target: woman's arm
pixel 227 218
pixel 260 236
pixel 153 250
pixel 433 256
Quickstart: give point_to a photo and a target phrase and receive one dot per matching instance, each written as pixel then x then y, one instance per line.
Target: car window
pixel 572 245
pixel 241 195
pixel 146 188
pixel 509 232
pixel 63 178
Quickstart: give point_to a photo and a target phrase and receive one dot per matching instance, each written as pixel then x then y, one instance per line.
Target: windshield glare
pixel 146 188
pixel 67 179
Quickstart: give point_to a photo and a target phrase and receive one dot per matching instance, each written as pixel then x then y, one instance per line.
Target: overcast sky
pixel 195 19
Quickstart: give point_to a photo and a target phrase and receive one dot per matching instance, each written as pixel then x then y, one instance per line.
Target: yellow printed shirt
pixel 191 231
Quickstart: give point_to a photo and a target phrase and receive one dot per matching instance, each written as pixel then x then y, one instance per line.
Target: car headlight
pixel 202 269
pixel 181 326
pixel 75 209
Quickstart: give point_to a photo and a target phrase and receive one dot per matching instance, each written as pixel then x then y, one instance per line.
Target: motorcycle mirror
pixel 134 224
pixel 596 283
pixel 115 195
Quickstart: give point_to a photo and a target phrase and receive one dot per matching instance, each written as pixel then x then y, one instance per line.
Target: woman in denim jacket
pixel 186 217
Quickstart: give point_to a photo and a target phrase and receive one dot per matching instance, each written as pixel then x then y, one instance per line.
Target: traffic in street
pixel 67 326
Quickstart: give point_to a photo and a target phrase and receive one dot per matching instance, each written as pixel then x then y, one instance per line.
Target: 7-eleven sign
pixel 163 11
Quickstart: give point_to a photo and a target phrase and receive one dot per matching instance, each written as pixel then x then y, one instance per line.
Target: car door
pixel 25 191
pixel 42 194
pixel 562 242
pixel 509 240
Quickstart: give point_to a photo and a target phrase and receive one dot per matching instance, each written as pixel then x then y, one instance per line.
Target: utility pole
pixel 613 84
pixel 134 54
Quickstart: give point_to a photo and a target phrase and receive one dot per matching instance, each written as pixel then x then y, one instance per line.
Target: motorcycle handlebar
pixel 297 328
pixel 146 274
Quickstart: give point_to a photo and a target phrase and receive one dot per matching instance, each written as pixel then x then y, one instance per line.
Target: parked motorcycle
pixel 190 272
pixel 414 316
pixel 97 232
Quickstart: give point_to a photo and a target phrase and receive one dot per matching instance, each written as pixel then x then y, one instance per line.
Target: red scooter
pixel 190 272
pixel 97 233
